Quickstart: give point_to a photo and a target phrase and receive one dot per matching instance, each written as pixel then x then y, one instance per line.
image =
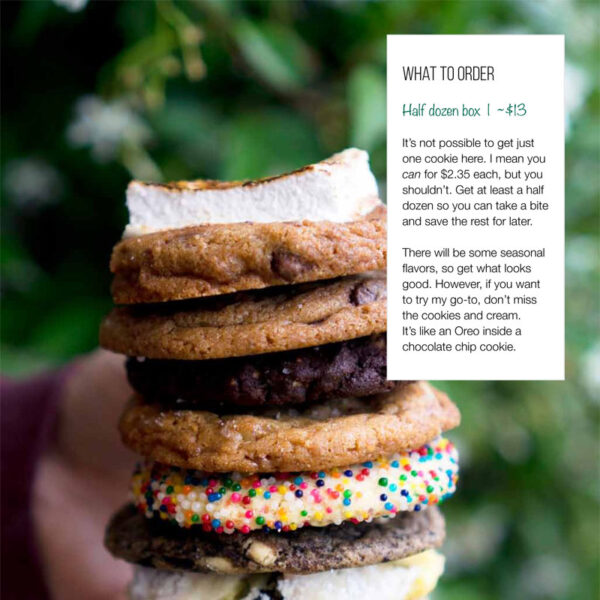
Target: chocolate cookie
pixel 157 544
pixel 256 322
pixel 334 434
pixel 209 260
pixel 344 369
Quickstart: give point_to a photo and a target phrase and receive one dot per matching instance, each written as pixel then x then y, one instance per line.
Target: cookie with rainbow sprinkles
pixel 276 460
pixel 402 482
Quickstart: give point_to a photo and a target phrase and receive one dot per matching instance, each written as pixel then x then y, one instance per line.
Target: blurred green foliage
pixel 175 90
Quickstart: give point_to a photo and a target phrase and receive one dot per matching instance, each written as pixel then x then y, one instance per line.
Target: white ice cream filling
pixel 341 188
pixel 407 579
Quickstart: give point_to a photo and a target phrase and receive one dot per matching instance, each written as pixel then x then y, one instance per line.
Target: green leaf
pixel 269 143
pixel 367 106
pixel 17 361
pixel 33 17
pixel 69 329
pixel 191 131
pixel 276 53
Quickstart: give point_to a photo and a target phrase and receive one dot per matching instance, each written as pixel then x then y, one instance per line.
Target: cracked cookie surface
pixel 134 538
pixel 209 260
pixel 332 434
pixel 256 322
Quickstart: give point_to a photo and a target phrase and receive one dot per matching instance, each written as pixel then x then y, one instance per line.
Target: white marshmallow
pixel 341 188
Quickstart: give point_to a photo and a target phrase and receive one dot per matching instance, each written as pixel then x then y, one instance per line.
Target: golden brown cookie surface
pixel 208 260
pixel 332 434
pixel 255 322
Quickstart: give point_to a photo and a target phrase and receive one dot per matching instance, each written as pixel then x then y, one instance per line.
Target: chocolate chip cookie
pixel 248 323
pixel 332 434
pixel 208 260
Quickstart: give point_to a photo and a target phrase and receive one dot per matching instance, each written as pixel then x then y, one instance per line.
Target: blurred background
pixel 94 94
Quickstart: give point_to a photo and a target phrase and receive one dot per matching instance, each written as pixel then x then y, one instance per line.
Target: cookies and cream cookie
pixel 161 544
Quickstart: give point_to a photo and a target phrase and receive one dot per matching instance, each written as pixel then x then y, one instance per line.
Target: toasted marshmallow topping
pixel 341 188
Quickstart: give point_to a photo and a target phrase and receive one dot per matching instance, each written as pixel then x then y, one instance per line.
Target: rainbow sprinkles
pixel 287 501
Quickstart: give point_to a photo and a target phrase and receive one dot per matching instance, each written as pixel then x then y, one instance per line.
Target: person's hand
pixel 82 479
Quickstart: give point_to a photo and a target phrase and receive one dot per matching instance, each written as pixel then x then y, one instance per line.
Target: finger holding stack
pixel 279 462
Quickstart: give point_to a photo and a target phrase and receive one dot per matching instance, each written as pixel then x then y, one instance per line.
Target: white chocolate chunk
pixel 261 553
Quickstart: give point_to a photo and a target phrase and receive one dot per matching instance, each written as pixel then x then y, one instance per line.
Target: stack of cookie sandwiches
pixel 279 462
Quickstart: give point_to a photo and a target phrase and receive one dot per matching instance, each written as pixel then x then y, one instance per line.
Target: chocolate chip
pixel 288 265
pixel 364 293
